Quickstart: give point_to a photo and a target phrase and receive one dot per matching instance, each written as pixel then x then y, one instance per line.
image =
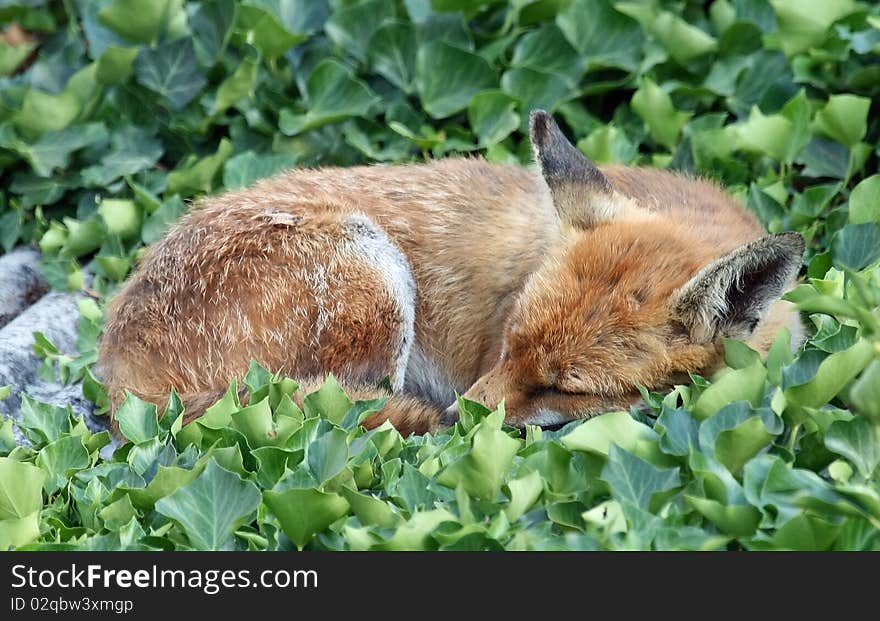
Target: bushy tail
pixel 408 414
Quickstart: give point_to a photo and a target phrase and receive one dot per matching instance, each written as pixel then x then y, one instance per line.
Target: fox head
pixel 629 298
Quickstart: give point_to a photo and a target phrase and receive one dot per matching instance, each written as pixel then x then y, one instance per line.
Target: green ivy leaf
pixel 303 513
pixel 598 434
pixel 535 90
pixel 237 86
pixel 482 471
pixel 54 148
pixel 329 401
pixel 41 422
pixel 392 53
pixel 171 71
pixel 333 94
pixel 132 150
pixel 492 114
pixel 352 27
pixel 138 21
pixel 546 50
pixel 198 175
pixel 765 134
pixel 864 201
pixel 636 481
pixel 856 246
pixel 804 23
pixel 59 459
pixel 446 92
pixel 21 498
pixel 655 108
pixel 42 112
pixel 844 119
pixel 835 372
pixel 604 36
pixel 137 419
pixel 733 385
pixel 856 440
pixel 369 509
pixel 212 23
pixel 865 392
pixel 211 507
pixel 736 433
pixel 328 455
pixel 264 29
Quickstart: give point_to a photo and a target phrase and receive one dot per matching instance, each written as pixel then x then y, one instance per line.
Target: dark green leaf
pixel 606 37
pixel 392 53
pixel 242 170
pixel 171 71
pixel 636 481
pixel 493 117
pixel 333 94
pixel 351 28
pixel 447 91
pixel 856 245
pixel 212 24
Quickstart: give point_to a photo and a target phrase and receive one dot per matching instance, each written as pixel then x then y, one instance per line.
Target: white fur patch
pixel 427 379
pixel 372 245
pixel 545 418
pixel 798 335
pixel 282 218
pixel 316 277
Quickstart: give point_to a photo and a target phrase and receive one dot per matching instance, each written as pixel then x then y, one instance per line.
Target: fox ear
pixel 730 295
pixel 580 191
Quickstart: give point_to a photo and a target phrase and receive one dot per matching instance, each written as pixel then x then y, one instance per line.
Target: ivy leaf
pixel 856 440
pixel 305 512
pixel 603 35
pixel 492 115
pixel 240 171
pixel 211 507
pixel 333 94
pixel 137 419
pixel 444 93
pixel 481 472
pixel 634 480
pixel 171 71
pixel 655 107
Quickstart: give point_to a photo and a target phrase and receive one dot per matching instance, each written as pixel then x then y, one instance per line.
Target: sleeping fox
pixel 557 290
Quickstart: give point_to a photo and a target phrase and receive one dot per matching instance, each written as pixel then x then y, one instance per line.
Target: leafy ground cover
pixel 114 113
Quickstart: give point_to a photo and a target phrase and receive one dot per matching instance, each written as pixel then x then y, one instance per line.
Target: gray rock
pixel 21 283
pixel 56 316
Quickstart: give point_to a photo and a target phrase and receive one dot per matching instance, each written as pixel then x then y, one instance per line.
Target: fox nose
pixel 449 416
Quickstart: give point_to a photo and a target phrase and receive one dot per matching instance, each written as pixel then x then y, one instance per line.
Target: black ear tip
pixel 538 116
pixel 539 125
pixel 793 240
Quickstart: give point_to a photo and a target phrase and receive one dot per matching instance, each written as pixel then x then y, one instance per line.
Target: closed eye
pixel 562 390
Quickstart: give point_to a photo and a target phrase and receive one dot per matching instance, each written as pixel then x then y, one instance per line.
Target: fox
pixel 558 289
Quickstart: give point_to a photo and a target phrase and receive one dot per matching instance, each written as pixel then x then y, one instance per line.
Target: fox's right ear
pixel 581 193
pixel 730 296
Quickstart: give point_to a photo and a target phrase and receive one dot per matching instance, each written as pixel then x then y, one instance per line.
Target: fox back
pixel 557 290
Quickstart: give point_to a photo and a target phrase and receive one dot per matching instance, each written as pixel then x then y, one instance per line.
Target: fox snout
pixel 522 400
pixel 450 416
